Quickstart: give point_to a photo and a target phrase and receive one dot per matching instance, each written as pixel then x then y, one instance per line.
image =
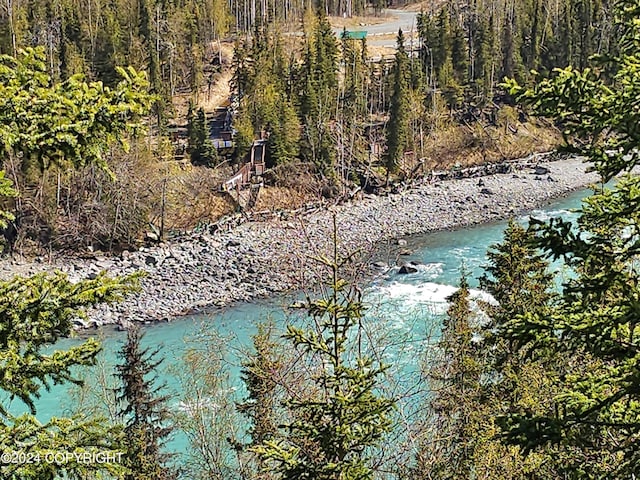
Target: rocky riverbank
pixel 257 259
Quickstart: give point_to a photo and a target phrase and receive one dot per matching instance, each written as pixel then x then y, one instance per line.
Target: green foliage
pixel 456 386
pixel 37 312
pixel 489 375
pixel 595 320
pixel 68 123
pixel 517 276
pixel 259 375
pixel 200 147
pixel 263 373
pixel 354 105
pixel 398 128
pixel 592 112
pixel 144 411
pixel 265 106
pixel 318 96
pixel 342 418
pixel 6 191
pixel 487 42
pixel 60 448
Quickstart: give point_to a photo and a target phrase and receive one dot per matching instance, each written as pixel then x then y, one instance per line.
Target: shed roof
pixel 354 35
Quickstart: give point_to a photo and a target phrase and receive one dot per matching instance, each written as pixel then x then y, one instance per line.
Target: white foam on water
pixel 424 270
pixel 461 251
pixel 431 295
pixel 406 302
pixel 433 270
pixel 544 215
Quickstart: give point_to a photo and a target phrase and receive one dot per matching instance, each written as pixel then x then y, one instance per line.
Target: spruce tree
pixel 37 312
pixel 517 275
pixel 318 97
pixel 443 42
pixel 200 147
pixel 597 314
pixel 263 374
pixel 527 374
pixel 258 374
pixel 459 54
pixel 343 417
pixel 397 130
pixel 455 382
pixel 143 409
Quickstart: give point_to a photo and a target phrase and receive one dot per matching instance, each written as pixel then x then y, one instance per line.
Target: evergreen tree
pixel 74 123
pixel 143 410
pixel 343 417
pixel 483 60
pixel 262 373
pixel 427 33
pixel 459 54
pixel 443 44
pixel 318 97
pixel 200 147
pixel 353 104
pixel 597 314
pixel 529 374
pixel 285 134
pixel 456 386
pixel 37 312
pixel 517 275
pixel 397 126
pixel 258 374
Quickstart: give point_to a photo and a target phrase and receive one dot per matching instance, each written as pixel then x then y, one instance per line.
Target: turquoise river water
pixel 405 311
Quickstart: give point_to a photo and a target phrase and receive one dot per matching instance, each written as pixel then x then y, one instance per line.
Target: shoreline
pixel 202 271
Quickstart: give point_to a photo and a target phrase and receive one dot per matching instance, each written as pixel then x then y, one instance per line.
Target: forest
pixel 545 387
pixel 336 118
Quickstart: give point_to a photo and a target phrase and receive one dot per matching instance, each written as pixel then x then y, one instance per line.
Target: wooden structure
pixel 253 168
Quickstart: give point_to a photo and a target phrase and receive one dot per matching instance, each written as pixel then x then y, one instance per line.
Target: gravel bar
pixel 262 258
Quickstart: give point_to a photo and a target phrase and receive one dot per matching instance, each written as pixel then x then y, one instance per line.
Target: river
pixel 404 313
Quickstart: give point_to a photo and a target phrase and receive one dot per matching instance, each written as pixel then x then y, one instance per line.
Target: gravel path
pixel 258 259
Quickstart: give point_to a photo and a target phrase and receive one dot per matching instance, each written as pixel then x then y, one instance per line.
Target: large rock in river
pixel 406 269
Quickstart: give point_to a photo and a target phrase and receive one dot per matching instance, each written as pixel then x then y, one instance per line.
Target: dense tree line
pixel 320 102
pixel 173 41
pixel 469 47
pixel 170 40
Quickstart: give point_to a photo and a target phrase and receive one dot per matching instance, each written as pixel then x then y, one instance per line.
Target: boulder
pixel 486 191
pixel 540 170
pixel 401 242
pixel 406 269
